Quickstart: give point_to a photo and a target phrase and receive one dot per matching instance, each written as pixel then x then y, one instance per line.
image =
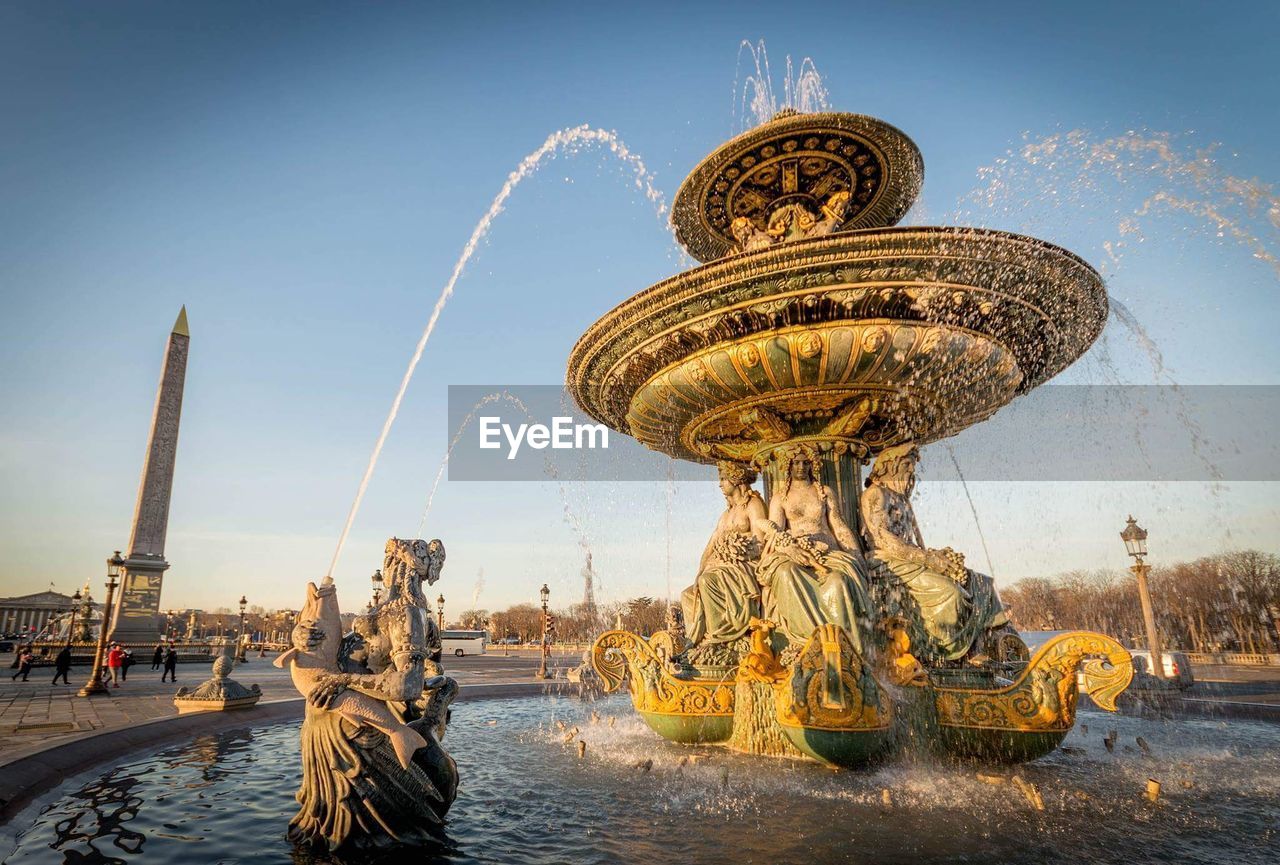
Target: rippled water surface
pixel 526 797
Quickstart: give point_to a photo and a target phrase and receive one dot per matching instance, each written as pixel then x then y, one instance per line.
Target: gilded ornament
pixel 830 688
pixel 809 344
pixel 1043 698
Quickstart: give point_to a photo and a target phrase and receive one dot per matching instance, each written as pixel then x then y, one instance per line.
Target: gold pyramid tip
pixel 180 326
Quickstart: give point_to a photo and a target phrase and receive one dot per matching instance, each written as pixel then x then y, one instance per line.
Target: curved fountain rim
pixel 30 773
pixel 609 326
pixel 789 250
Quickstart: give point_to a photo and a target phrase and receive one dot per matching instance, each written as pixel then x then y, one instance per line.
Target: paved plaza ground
pixel 37 713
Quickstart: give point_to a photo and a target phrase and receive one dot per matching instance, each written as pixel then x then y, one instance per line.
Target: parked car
pixel 1177 668
pixel 7 646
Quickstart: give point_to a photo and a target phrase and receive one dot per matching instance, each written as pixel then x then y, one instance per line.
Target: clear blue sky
pixel 303 176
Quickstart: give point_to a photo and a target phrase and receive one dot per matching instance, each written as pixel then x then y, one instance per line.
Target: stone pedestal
pixel 218 694
pixel 137 612
pixel 755 722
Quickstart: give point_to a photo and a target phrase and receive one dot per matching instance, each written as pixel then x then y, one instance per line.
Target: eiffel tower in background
pixel 589 592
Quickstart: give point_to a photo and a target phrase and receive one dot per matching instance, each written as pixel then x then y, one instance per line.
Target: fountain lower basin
pixel 528 798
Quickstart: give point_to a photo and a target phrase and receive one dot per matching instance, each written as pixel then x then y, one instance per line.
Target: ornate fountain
pixel 815 339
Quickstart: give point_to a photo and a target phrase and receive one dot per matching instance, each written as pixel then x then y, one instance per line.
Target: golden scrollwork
pixel 1043 698
pixel 829 687
pixel 619 655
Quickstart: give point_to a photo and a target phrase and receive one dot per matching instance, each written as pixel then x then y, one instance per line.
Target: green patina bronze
pixel 690 729
pixel 842 748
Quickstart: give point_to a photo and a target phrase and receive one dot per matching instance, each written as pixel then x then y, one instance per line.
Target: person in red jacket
pixel 115 663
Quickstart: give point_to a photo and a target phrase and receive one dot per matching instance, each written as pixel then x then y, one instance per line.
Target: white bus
pixel 459 643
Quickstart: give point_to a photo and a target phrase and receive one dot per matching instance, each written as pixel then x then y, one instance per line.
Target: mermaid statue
pixel 374 773
pixel 957 606
pixel 811 568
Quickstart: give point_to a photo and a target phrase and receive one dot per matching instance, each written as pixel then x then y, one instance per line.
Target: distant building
pixel 26 615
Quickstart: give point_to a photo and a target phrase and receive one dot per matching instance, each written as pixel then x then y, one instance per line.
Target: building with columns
pixel 26 615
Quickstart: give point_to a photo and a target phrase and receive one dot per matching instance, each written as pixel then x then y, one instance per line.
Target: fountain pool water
pixel 527 797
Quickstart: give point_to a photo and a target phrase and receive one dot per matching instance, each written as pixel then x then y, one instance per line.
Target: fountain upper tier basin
pixel 798 159
pixel 863 338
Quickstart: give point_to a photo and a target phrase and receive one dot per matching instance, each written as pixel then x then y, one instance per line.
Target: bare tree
pixel 1228 601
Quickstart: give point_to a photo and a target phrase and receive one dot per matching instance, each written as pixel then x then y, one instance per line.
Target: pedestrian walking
pixel 129 661
pixel 62 665
pixel 115 663
pixel 157 657
pixel 23 662
pixel 170 665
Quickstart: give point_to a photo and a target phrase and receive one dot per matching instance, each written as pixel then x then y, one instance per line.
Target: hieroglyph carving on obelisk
pixel 138 607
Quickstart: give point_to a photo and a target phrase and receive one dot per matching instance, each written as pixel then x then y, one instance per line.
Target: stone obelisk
pixel 137 610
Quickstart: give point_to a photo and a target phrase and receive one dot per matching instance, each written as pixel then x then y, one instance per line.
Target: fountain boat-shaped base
pixel 832 707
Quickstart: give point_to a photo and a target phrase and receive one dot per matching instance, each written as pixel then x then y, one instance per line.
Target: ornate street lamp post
pixel 240 637
pixel 71 632
pixel 440 613
pixel 376 580
pixel 546 645
pixel 94 685
pixel 1135 543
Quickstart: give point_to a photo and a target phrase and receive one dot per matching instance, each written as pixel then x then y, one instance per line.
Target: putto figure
pixel 957 605
pixel 373 771
pixel 833 215
pixel 749 236
pixel 719 606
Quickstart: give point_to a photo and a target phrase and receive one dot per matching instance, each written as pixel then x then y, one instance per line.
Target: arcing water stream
pixel 1060 171
pixel 1146 175
pixel 1155 171
pixel 562 140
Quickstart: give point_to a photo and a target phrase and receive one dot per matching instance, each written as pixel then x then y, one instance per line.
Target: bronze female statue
pixel 811 570
pixel 956 605
pixel 724 597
